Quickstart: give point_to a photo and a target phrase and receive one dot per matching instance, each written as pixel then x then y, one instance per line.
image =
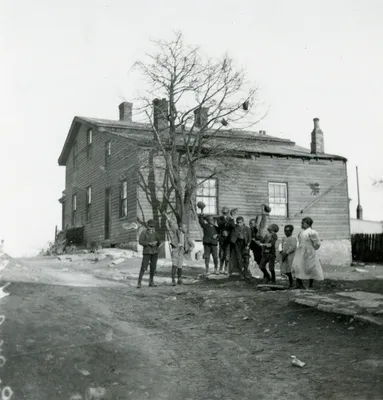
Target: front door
pixel 107 214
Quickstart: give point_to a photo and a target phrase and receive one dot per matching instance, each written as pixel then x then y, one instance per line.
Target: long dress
pixel 306 264
pixel 289 246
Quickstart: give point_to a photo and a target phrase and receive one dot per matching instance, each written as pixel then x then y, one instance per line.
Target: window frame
pixel 89 143
pixel 74 208
pixel 88 205
pixel 273 204
pixel 204 197
pixel 123 200
pixel 108 152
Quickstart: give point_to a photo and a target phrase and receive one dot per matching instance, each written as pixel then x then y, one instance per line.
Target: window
pixel 74 209
pixel 207 192
pixel 75 154
pixel 278 199
pixel 63 215
pixel 108 152
pixel 124 199
pixel 89 141
pixel 88 203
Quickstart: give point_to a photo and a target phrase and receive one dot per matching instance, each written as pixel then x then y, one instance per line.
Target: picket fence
pixel 367 247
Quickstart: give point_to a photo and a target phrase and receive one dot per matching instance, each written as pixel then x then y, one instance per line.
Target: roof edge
pixel 145 127
pixel 307 155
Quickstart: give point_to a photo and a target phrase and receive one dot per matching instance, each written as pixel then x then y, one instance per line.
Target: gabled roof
pixel 78 121
pixel 250 141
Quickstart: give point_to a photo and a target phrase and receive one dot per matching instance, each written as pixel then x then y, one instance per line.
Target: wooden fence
pixel 367 248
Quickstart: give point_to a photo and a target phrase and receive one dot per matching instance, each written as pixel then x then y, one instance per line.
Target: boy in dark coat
pixel 226 225
pixel 150 241
pixel 210 240
pixel 255 237
pixel 240 239
pixel 269 253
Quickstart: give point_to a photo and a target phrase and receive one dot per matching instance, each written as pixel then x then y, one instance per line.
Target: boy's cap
pixel 151 223
pixel 274 228
pixel 266 208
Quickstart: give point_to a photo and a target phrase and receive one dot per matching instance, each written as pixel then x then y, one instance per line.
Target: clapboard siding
pixel 247 189
pixel 92 172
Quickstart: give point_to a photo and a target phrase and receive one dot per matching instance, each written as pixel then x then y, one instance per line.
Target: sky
pixel 60 59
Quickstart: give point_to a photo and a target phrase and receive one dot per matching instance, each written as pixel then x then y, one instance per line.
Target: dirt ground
pixel 203 341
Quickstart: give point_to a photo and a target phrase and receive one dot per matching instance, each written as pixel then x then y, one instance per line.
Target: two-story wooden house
pixel 101 193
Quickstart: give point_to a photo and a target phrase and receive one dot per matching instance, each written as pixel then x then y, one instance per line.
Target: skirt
pixel 306 264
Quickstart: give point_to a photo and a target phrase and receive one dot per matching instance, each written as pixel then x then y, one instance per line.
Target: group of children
pixel 230 241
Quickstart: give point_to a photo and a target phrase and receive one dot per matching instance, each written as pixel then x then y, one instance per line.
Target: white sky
pixel 64 58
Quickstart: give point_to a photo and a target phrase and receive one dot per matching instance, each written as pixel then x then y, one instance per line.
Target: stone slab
pixel 307 302
pixel 359 295
pixel 370 319
pixel 325 307
pixel 363 306
pixel 367 303
pixel 344 311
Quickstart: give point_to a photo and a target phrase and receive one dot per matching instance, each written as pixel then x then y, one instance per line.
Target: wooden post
pixel 359 209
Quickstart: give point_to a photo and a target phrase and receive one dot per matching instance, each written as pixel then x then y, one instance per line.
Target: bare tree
pixel 205 105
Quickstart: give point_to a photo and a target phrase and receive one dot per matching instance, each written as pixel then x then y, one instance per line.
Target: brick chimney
pixel 317 143
pixel 160 114
pixel 126 111
pixel 201 117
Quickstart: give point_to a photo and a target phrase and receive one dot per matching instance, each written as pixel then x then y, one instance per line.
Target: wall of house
pixel 247 189
pixel 93 172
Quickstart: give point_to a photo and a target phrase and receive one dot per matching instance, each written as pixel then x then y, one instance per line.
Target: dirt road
pixel 203 341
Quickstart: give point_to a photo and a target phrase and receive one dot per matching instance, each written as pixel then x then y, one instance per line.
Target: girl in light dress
pixel 288 247
pixel 306 262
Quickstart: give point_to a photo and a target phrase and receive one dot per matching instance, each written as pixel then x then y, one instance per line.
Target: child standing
pixel 269 253
pixel 240 242
pixel 226 225
pixel 306 263
pixel 150 241
pixel 255 237
pixel 289 245
pixel 181 244
pixel 210 241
